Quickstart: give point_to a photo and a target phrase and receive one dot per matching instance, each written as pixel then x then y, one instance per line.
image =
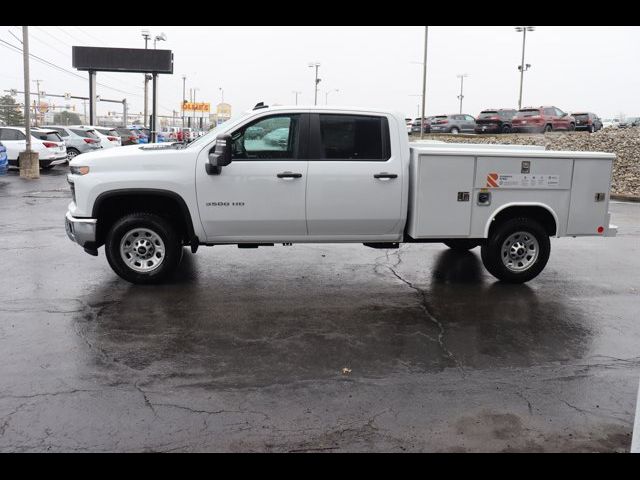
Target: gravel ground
pixel 625 143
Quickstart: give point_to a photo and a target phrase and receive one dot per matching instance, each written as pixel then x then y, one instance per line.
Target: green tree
pixel 66 118
pixel 10 111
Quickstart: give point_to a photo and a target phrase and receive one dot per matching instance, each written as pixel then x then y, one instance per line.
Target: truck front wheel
pixel 143 248
pixel 517 250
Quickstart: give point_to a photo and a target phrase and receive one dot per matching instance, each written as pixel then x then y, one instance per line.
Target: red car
pixel 543 119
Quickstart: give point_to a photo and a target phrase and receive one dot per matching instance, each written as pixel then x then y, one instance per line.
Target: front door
pixel 354 187
pixel 260 195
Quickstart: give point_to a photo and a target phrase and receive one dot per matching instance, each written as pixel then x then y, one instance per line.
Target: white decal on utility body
pixel 523 181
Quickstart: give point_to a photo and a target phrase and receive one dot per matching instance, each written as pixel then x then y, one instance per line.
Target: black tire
pixel 506 129
pixel 454 130
pixel 492 255
pixel 592 129
pixel 462 244
pixel 547 128
pixel 72 153
pixel 158 226
pixel 572 127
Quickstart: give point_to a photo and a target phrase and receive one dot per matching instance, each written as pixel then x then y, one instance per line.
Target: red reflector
pixel 600 229
pixel 113 139
pixel 88 140
pixel 50 145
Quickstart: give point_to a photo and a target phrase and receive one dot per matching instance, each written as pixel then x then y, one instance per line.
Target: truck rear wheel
pixel 143 248
pixel 462 244
pixel 517 250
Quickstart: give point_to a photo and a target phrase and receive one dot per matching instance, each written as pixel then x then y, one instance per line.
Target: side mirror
pixel 220 156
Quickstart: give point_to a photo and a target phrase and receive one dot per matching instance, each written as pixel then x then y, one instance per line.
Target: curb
pixel 626 198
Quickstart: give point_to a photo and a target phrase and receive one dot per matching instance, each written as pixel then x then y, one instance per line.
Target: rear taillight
pixel 133 138
pixel 89 140
pixel 113 139
pixel 50 144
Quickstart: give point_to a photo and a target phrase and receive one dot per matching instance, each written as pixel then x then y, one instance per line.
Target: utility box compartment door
pixel 589 196
pixel 441 196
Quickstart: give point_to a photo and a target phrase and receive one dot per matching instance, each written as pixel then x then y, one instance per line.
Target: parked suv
pixel 415 125
pixel 630 122
pixel 457 123
pixel 495 121
pixel 50 147
pixel 76 139
pixel 127 136
pixel 542 119
pixel 587 121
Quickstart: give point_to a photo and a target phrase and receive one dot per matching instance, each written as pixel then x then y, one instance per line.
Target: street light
pixel 146 35
pixel 315 65
pixel 222 92
pixel 159 38
pixel 461 76
pixel 326 95
pixel 522 67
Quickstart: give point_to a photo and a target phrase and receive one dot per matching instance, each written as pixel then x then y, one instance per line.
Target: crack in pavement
pixel 424 304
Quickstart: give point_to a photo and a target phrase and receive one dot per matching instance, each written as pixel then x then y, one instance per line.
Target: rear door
pixel 469 124
pixel 355 179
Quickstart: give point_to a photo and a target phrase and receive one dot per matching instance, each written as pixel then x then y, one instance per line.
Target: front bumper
pixel 488 128
pixel 81 230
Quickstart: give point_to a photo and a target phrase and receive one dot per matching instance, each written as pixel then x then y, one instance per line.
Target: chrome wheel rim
pixel 142 250
pixel 519 251
pixel 71 154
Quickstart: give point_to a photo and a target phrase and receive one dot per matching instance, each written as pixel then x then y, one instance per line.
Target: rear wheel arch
pixel 110 206
pixel 542 213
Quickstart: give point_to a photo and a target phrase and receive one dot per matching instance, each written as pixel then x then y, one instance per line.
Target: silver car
pixel 77 140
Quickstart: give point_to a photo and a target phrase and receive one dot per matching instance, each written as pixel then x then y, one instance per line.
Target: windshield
pixel 200 142
pixel 488 113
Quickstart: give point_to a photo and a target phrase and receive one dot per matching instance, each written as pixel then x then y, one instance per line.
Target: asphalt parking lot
pixel 312 348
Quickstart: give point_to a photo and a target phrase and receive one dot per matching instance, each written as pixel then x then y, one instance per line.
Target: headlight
pixel 79 170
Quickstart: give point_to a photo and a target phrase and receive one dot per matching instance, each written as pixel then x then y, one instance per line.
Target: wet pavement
pixel 312 348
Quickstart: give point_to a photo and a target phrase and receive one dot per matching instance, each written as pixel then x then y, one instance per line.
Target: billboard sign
pixel 101 59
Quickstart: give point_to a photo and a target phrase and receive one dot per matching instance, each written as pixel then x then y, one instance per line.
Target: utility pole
pixel 184 99
pixel 36 112
pixel 315 65
pixel 424 81
pixel 462 76
pixel 28 160
pixel 296 93
pixel 146 35
pixel 522 67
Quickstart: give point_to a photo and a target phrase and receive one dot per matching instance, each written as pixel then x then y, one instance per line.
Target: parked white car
pixel 50 147
pixel 108 137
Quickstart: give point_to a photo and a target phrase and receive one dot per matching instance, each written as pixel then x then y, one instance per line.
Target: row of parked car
pixel 506 120
pixel 58 144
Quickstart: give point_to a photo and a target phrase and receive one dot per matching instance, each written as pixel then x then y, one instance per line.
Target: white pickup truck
pixel 332 175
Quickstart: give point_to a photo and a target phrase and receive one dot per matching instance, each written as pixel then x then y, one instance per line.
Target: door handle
pixel 289 175
pixel 385 175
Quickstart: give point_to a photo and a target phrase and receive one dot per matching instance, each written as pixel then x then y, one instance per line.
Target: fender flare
pixel 123 192
pixel 520 204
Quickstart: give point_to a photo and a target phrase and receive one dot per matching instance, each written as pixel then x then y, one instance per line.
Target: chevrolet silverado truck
pixel 285 175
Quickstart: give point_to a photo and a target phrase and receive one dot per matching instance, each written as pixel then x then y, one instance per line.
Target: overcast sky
pixel 574 68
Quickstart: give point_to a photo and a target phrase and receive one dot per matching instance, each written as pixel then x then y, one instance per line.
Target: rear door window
pixel 10 134
pixel 354 137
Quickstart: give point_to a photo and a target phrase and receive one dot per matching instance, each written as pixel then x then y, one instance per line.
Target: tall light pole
pixel 222 93
pixel 461 76
pixel 146 35
pixel 296 93
pixel 315 65
pixel 523 67
pixel 424 81
pixel 326 95
pixel 159 38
